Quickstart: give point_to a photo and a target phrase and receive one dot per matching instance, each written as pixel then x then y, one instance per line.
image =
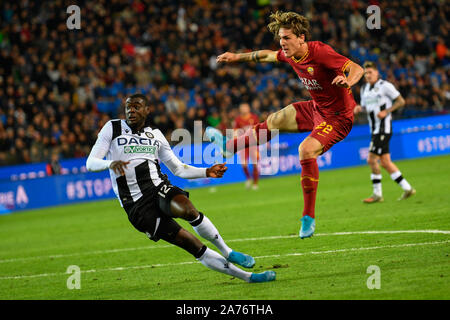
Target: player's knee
pixel 385 163
pixel 181 207
pixel 275 121
pixel 307 151
pixel 372 160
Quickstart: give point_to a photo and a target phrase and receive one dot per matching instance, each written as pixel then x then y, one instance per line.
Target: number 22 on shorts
pixel 326 128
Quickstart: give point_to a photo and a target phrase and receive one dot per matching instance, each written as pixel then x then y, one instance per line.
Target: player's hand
pixel 118 167
pixel 382 114
pixel 216 171
pixel 357 109
pixel 341 81
pixel 227 57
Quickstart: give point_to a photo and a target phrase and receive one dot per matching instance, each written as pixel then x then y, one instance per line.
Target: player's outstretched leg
pixel 284 120
pixel 204 228
pixel 182 207
pixel 257 135
pixel 213 260
pixel 216 137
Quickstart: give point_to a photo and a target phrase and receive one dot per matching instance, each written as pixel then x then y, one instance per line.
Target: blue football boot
pixel 263 276
pixel 308 227
pixel 242 259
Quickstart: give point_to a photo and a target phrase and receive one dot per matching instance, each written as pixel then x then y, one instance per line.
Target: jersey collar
pixel 303 58
pixel 371 86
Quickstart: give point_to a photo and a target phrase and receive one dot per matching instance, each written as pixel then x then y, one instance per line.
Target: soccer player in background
pixel 242 123
pixel 133 151
pixel 379 98
pixel 328 116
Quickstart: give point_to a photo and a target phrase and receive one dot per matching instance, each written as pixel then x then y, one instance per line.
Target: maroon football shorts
pixel 328 131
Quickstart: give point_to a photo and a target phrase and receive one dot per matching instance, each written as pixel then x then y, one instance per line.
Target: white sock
pixel 397 177
pixel 205 229
pixel 215 261
pixel 376 183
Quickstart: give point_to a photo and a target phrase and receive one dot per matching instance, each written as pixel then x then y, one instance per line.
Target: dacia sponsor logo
pixel 139 149
pixel 122 141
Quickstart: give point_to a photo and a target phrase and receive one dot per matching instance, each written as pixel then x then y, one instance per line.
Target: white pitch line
pixel 260 257
pixel 55 256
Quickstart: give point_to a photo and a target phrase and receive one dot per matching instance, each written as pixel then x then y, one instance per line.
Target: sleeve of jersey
pixel 332 60
pixel 280 56
pixel 95 161
pixel 177 167
pixel 391 91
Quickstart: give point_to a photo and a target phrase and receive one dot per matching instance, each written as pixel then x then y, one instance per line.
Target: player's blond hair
pixel 370 64
pixel 297 23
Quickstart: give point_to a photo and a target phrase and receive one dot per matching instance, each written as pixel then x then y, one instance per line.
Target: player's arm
pixel 186 171
pixel 357 109
pixel 95 161
pixel 254 56
pixel 341 65
pixel 355 72
pixel 399 102
pixel 392 93
pixel 360 107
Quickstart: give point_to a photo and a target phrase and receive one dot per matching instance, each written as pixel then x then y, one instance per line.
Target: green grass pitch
pixel 118 262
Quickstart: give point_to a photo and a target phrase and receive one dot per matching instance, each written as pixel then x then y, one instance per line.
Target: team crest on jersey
pixel 149 135
pixel 310 70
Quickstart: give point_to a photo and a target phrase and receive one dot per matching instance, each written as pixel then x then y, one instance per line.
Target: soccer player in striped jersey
pixel 379 98
pixel 328 116
pixel 133 150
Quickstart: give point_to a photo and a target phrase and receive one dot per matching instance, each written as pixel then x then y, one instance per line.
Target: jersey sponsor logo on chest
pixel 139 149
pixel 311 84
pixel 137 145
pixel 372 99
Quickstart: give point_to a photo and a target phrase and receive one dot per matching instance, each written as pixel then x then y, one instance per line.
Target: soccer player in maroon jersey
pixel 242 123
pixel 328 116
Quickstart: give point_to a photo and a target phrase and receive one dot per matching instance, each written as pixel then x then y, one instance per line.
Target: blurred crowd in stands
pixel 58 87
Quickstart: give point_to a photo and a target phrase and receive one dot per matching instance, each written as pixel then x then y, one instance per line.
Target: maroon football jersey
pixel 247 122
pixel 317 69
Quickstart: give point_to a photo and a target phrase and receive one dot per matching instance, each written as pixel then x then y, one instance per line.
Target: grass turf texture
pixel 118 262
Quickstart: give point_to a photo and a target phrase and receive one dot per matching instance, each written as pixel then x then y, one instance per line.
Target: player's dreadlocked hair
pixel 297 23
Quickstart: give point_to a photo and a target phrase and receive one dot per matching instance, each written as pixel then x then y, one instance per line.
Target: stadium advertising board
pixel 23 187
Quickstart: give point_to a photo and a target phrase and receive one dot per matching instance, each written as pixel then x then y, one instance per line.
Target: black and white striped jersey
pixel 376 98
pixel 144 150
